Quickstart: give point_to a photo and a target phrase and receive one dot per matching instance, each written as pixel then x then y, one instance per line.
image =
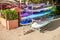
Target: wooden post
pixel 19 14
pixel 18 19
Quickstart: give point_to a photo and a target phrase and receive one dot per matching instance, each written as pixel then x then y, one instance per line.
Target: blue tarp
pixel 25 22
pixel 38 14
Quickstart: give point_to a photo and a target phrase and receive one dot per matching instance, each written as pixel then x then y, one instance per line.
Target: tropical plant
pixel 35 1
pixel 9 14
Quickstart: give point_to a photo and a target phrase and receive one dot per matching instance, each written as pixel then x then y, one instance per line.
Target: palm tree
pixel 34 1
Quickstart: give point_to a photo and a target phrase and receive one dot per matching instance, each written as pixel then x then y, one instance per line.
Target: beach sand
pixel 50 33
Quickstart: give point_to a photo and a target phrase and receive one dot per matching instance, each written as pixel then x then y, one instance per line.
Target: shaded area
pixel 52 26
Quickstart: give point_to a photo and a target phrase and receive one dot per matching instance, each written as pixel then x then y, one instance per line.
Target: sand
pixel 51 33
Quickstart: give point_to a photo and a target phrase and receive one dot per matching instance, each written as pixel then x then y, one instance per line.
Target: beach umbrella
pixel 8 1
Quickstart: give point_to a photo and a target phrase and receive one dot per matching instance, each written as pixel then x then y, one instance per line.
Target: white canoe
pixel 40 24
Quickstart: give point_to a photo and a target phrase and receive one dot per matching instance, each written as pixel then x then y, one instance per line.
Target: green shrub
pixel 10 14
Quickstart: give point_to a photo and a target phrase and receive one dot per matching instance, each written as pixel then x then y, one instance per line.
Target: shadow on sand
pixel 52 26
